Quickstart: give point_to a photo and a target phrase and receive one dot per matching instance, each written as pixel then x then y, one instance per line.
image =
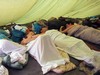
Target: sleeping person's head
pixel 44 29
pixel 54 24
pixel 69 23
pixel 39 26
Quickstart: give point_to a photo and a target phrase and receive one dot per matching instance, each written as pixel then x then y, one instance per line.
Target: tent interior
pixel 24 12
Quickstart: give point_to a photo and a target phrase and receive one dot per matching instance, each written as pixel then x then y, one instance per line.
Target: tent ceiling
pixel 25 11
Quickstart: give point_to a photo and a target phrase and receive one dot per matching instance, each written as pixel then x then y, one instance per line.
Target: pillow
pixel 65 67
pixel 36 28
pixel 69 65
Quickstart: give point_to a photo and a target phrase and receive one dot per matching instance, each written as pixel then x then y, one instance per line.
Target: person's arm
pixel 65 30
pixel 28 39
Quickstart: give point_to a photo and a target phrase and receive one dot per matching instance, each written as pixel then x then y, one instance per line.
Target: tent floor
pixel 33 68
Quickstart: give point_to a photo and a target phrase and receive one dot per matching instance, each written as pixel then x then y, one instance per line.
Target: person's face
pixel 68 25
pixel 44 29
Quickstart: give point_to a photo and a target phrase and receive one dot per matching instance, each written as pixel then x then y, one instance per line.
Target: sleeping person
pixel 50 58
pixel 75 48
pixel 83 32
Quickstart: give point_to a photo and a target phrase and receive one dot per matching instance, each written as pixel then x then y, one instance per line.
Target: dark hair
pixel 43 22
pixel 54 24
pixel 69 22
pixel 62 18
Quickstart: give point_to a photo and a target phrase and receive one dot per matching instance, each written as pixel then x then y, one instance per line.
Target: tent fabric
pixel 25 11
pixel 11 10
